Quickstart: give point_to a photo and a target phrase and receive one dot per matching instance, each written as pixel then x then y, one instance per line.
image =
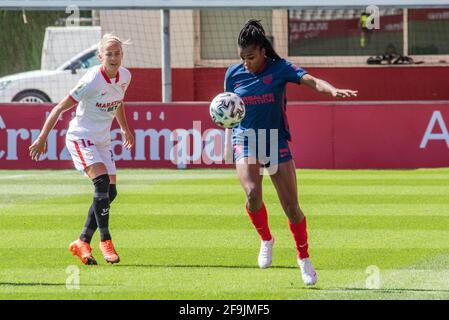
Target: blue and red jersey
pixel 264 95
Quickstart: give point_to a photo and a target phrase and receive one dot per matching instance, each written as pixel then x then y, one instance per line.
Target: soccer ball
pixel 227 110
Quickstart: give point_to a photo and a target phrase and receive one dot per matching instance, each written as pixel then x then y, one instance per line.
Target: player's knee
pixel 291 208
pixel 253 195
pixel 101 184
pixel 112 192
pixel 293 212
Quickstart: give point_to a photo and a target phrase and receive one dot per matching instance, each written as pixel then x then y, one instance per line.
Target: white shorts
pixel 84 154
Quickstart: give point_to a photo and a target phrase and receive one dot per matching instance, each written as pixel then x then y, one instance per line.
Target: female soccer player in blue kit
pixel 261 82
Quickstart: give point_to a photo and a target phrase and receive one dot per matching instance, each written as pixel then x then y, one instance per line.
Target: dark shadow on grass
pixel 197 266
pixel 31 284
pixel 44 284
pixel 386 290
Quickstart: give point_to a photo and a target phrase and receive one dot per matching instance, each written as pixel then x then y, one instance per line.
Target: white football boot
pixel 265 253
pixel 308 273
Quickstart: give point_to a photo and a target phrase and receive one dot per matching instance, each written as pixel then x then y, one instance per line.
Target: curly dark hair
pixel 253 34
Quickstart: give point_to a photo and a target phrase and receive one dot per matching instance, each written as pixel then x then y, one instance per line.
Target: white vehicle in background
pixel 42 86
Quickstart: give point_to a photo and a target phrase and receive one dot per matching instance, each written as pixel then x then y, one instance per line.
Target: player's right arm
pixel 38 146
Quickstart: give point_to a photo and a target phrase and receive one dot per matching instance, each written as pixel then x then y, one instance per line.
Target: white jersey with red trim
pixel 98 97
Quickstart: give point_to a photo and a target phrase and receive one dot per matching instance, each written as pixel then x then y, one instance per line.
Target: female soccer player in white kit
pixel 99 96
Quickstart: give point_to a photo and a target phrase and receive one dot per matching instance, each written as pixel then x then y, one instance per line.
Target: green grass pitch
pixel 184 234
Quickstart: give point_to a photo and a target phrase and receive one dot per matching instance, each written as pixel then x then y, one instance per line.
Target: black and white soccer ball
pixel 227 110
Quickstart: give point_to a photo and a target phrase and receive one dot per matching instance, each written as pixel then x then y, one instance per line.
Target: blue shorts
pixel 281 153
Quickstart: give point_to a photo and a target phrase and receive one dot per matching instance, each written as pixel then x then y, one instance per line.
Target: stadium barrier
pixel 380 83
pixel 360 135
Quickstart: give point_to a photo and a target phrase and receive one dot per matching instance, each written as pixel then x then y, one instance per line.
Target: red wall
pixel 370 136
pixel 326 135
pixel 379 83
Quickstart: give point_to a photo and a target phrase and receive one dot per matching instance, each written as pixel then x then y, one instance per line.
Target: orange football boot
pixel 83 251
pixel 108 251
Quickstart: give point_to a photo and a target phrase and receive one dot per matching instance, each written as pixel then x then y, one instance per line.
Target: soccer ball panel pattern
pixel 227 110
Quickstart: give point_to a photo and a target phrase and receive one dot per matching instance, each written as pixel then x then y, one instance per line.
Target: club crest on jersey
pixel 124 86
pixel 268 79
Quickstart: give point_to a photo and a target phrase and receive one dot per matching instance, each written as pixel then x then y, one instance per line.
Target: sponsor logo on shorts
pixel 89 155
pixel 284 153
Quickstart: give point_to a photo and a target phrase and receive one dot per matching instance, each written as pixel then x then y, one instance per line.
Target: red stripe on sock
pixel 299 232
pixel 260 222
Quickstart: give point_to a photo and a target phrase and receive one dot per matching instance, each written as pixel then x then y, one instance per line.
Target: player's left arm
pixel 325 87
pixel 126 132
